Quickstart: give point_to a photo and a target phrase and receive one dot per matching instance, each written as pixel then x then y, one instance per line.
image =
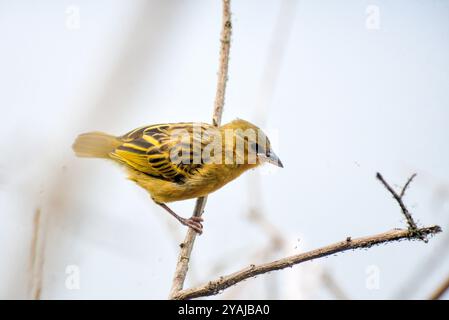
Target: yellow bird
pixel 180 161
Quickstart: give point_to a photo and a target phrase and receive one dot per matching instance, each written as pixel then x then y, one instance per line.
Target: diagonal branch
pixel 182 265
pixel 406 185
pixel 411 233
pixel 398 197
pixel 215 286
pixel 37 257
pixel 440 291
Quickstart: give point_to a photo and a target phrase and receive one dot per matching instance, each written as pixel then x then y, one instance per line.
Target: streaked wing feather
pixel 147 149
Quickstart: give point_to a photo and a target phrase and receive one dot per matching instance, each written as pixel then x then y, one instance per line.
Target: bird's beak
pixel 273 159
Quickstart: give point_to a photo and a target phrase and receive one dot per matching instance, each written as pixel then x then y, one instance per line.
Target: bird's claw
pixel 194 222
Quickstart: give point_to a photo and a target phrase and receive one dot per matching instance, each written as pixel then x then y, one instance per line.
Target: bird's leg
pixel 193 222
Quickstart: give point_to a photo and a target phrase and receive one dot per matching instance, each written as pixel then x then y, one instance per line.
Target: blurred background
pixel 343 88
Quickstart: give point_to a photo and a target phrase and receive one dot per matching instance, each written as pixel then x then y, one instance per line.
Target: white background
pixel 340 99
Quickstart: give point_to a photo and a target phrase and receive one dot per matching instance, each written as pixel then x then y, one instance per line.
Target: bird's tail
pixel 95 145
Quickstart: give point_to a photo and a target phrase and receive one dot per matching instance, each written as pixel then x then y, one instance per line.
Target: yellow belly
pixel 207 180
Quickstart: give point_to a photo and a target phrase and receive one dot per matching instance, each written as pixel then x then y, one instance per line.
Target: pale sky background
pixel 341 98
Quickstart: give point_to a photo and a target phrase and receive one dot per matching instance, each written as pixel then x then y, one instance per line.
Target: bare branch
pixel 187 246
pixel 441 290
pixel 411 223
pixel 333 286
pixel 412 233
pixel 226 31
pixel 273 233
pixel 426 268
pixel 406 185
pixel 215 286
pixel 36 257
pixel 186 250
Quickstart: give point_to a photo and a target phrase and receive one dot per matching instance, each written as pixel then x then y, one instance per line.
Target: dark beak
pixel 274 159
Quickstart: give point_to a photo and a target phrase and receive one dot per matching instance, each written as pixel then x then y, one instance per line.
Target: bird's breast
pixel 206 180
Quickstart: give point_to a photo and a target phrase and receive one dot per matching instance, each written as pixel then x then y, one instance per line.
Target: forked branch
pixel 215 286
pixel 398 197
pixel 411 233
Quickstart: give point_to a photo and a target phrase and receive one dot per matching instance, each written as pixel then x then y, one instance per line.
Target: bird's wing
pixel 158 150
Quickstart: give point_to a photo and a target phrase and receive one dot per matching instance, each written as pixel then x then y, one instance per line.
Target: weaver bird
pixel 182 161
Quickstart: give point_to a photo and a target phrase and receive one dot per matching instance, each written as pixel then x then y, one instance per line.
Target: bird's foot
pixel 194 222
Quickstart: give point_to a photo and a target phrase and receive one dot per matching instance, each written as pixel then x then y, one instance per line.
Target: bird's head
pixel 254 144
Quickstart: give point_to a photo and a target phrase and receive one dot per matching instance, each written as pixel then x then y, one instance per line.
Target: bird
pixel 180 161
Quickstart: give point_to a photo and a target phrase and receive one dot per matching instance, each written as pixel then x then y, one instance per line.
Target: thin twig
pixel 411 223
pixel 411 233
pixel 441 290
pixel 333 287
pixel 36 257
pixel 215 286
pixel 182 265
pixel 225 39
pixel 406 185
pixel 425 269
pixel 186 250
pixel 273 233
